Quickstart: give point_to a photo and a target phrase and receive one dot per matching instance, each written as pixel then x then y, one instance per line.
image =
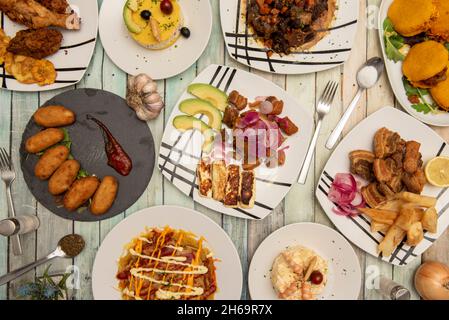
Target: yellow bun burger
pixel 426 64
pixel 440 93
pixel 440 25
pixel 411 17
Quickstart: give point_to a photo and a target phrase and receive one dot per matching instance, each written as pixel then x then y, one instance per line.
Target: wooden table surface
pixel 300 204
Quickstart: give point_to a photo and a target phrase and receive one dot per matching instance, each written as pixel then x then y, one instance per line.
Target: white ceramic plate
pixel 271 184
pixel 132 58
pixel 394 71
pixel 72 60
pixel 229 270
pixel 331 51
pixel 357 229
pixel 344 277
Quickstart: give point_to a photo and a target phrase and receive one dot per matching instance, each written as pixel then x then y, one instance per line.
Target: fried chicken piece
pixel 58 6
pixel 386 143
pixel 34 15
pixel 414 182
pixel 38 44
pixel 362 163
pixel 412 156
pixel 372 196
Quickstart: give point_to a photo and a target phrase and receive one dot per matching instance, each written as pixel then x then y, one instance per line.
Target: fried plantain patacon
pixel 439 27
pixel 426 64
pixel 440 93
pixel 411 17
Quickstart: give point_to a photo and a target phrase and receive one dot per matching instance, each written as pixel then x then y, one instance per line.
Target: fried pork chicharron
pixel 34 15
pixel 394 166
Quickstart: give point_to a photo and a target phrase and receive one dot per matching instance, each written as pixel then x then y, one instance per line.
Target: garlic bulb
pixel 143 97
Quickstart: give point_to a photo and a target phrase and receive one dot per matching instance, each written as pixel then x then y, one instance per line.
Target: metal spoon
pixel 378 66
pixel 57 253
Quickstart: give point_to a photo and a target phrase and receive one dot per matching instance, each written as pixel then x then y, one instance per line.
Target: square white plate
pixel 394 72
pixel 72 59
pixel 180 152
pixel 357 229
pixel 331 51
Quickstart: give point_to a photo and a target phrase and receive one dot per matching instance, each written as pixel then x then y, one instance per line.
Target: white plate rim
pixel 410 252
pixel 286 228
pixel 144 69
pixel 296 69
pixel 438 120
pixel 148 212
pixel 305 135
pixel 55 86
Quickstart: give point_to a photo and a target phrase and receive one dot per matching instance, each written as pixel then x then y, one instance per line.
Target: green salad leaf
pixel 418 94
pixel 67 141
pixel 82 174
pixel 393 42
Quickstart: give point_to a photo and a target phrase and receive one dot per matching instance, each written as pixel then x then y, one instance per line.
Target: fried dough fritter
pixel 38 43
pixel 425 61
pixel 440 25
pixel 411 17
pixel 440 93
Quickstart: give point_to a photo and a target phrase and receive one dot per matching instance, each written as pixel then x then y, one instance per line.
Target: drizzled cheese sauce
pixel 191 269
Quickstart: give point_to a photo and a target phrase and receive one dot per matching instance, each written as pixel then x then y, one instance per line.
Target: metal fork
pixel 323 108
pixel 8 175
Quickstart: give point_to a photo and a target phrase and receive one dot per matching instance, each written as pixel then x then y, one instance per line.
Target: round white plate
pixel 357 229
pixel 72 59
pixel 344 277
pixel 272 185
pixel 333 50
pixel 394 71
pixel 229 270
pixel 132 58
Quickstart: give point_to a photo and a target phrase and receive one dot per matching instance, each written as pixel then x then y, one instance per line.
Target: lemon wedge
pixel 437 172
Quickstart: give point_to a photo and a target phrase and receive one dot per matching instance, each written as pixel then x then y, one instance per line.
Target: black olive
pixel 185 32
pixel 145 14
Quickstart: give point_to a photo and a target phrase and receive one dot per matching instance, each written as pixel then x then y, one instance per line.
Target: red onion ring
pixel 345 195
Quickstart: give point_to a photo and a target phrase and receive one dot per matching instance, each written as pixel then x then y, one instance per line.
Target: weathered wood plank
pixel 23 107
pixel 299 202
pixel 5 128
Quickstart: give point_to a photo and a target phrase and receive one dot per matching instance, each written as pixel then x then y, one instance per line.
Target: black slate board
pixel 88 148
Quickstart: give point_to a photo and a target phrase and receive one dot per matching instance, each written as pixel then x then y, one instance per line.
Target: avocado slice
pixel 205 91
pixel 193 107
pixel 128 10
pixel 184 123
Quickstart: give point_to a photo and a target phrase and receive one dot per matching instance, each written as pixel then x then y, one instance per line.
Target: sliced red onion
pixel 248 119
pixel 261 98
pixel 345 194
